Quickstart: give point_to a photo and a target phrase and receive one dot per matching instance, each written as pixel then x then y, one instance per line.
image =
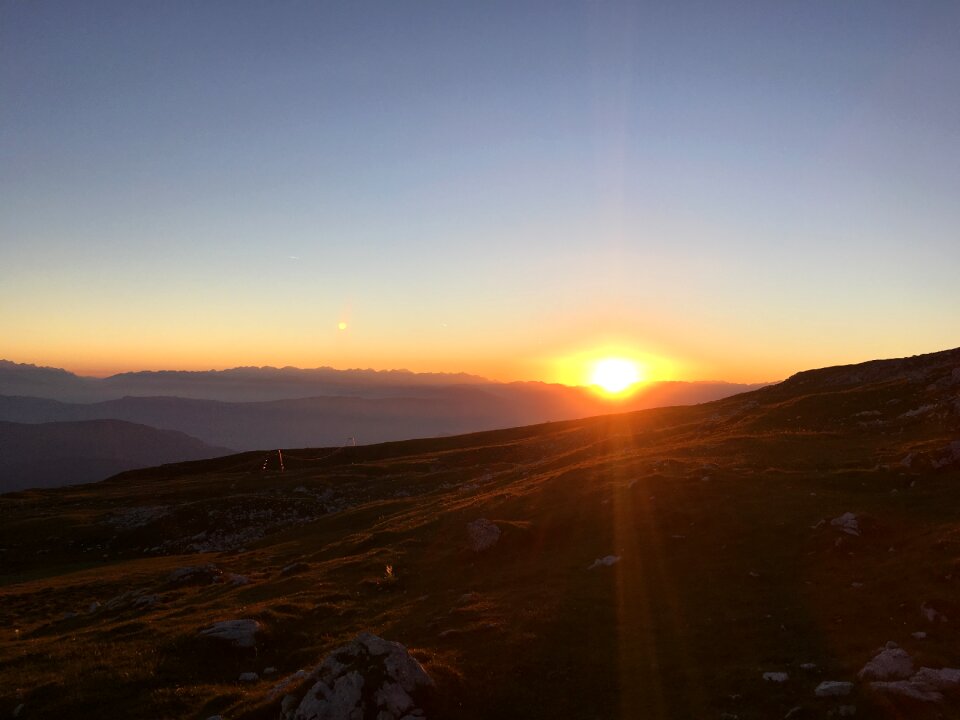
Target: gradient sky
pixel 740 190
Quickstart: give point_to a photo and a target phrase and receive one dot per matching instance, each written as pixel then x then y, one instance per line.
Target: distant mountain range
pixel 69 453
pixel 267 408
pixel 242 384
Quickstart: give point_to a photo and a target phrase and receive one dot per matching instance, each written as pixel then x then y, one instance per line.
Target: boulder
pixel 891 663
pixel 239 633
pixel 368 677
pixel 482 534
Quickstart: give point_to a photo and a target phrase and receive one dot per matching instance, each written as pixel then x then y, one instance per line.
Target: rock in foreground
pixel 368 677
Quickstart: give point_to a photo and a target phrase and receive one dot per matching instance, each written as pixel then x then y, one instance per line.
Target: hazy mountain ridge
pixel 241 384
pixel 69 453
pixel 325 421
pixel 792 530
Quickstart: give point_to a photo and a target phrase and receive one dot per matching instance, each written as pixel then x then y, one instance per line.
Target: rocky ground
pixel 790 552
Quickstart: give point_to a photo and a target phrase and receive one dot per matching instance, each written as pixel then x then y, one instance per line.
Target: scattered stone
pixel 94 606
pixel 606 561
pixel 240 633
pixel 238 579
pixel 919 635
pixel 248 677
pixel 795 712
pixel 270 670
pixel 368 677
pixel 833 688
pixel 847 523
pixel 215 717
pixel 146 601
pixel 18 709
pixel 808 666
pixel 776 677
pixel 892 663
pixel 483 534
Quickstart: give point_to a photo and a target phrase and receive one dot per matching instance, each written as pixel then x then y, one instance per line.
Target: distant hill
pixel 70 453
pixel 792 547
pixel 330 420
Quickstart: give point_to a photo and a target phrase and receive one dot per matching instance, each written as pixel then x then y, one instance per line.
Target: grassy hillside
pixel 728 564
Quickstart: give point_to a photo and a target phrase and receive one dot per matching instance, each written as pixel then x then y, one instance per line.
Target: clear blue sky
pixel 741 189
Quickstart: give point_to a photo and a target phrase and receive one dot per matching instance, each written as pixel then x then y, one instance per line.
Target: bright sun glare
pixel 614 375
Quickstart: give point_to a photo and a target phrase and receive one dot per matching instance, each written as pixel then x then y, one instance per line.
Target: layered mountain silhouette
pixel 69 453
pixel 263 408
pixel 791 547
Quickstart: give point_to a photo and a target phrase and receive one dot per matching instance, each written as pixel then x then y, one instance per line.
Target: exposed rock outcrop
pixel 368 677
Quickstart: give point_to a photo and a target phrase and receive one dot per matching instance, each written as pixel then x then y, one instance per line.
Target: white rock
pixel 833 688
pixel 847 522
pixel 889 664
pixel 808 666
pixel 482 534
pixel 248 677
pixel 605 561
pixel 367 675
pixel 776 677
pixel 919 635
pixel 240 633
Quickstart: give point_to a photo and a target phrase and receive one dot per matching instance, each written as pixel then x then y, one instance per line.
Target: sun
pixel 615 375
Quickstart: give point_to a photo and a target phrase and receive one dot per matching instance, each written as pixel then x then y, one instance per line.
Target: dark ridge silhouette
pixel 71 453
